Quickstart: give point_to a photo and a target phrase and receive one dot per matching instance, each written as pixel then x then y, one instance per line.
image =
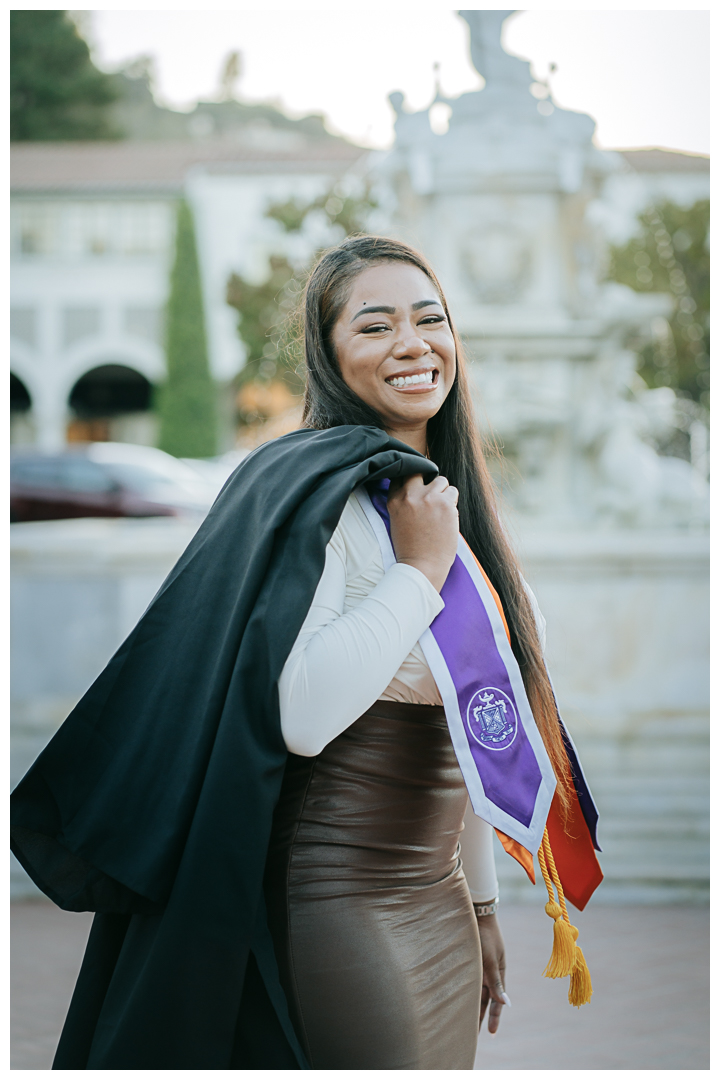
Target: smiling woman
pixel 364 990
pixel 267 817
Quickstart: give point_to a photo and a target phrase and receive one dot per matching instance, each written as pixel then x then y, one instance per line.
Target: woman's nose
pixel 411 345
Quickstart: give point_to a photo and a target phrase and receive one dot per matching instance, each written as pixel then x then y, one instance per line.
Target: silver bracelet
pixel 488 908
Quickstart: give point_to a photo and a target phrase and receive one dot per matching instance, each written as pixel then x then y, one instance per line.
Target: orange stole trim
pixel 518 852
pixel 491 587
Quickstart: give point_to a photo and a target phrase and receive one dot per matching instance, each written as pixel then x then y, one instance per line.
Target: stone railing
pixel 627 646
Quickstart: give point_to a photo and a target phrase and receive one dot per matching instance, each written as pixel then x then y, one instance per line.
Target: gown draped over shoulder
pixel 371 914
pixel 369 908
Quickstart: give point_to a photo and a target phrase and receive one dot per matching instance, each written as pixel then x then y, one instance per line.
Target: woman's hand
pixel 493 961
pixel 424 525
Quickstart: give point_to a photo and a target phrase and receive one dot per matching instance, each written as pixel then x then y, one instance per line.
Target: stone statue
pixel 488 55
pixel 510 187
pixel 411 129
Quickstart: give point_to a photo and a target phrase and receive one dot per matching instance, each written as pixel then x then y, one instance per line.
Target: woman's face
pixel 394 346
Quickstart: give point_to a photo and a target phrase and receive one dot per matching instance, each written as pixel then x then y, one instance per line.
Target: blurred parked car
pixel 106 480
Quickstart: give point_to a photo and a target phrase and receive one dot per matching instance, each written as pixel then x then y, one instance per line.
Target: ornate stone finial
pixel 397 101
pixel 488 56
pixel 411 129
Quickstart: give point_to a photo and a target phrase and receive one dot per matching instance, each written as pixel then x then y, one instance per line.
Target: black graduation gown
pixel 153 803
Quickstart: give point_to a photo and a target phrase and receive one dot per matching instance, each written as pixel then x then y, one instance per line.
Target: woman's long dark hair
pixel 453 445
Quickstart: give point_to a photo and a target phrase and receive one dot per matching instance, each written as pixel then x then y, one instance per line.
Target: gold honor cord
pixel 567 957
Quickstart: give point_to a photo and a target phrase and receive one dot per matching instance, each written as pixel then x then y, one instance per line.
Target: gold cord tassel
pixel 566 957
pixel 580 990
pixel 562 958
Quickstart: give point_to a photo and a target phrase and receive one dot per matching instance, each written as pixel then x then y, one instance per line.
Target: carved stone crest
pixel 497 261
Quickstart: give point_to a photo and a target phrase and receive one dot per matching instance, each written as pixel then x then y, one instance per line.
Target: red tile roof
pixel 656 160
pixel 162 166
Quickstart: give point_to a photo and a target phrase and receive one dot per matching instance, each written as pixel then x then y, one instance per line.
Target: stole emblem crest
pixel 492 718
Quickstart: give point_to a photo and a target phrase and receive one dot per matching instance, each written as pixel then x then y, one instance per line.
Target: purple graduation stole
pixel 504 763
pixel 503 760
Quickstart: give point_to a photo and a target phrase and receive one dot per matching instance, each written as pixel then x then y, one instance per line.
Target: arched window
pixel 19 397
pixel 21 423
pixel 111 402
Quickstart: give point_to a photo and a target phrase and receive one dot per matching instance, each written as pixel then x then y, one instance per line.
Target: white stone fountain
pixel 613 536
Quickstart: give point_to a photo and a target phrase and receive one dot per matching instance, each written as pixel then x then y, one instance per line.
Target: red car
pixel 104 480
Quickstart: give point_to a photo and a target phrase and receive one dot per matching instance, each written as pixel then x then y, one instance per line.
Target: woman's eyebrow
pixel 386 310
pixel 371 310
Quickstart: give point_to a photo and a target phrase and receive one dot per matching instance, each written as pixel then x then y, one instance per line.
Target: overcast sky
pixel 642 74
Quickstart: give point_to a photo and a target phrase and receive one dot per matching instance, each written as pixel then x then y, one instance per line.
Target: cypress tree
pixel 187 400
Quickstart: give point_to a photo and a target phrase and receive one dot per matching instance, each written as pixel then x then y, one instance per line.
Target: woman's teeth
pixel 411 380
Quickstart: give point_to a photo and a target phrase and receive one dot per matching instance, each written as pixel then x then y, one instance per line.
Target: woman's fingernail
pixel 492 1034
pixel 506 999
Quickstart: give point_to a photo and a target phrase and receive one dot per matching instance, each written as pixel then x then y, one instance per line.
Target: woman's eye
pixel 374 328
pixel 429 319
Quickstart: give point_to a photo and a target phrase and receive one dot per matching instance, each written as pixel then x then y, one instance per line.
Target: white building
pixel 651 176
pixel 92 242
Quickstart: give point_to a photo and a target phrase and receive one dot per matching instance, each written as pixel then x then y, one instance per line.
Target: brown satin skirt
pixel 370 912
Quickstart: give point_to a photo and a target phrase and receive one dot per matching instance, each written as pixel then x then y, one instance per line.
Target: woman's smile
pixel 415 382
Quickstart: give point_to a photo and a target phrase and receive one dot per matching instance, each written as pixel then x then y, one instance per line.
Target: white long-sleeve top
pixel 359 642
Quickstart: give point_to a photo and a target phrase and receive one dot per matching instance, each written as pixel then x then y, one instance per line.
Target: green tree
pixel 266 309
pixel 56 92
pixel 187 399
pixel 671 254
pixel 345 211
